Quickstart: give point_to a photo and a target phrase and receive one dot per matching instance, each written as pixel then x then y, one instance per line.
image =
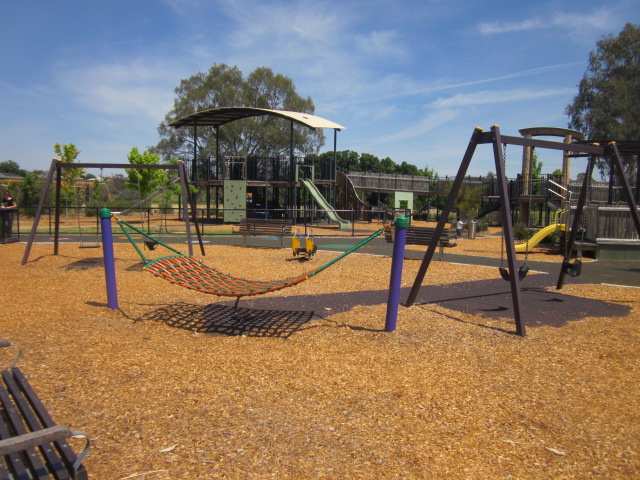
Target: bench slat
pixel 28 404
pixel 4 473
pixel 63 452
pixel 25 411
pixel 423 236
pixel 278 227
pixel 13 427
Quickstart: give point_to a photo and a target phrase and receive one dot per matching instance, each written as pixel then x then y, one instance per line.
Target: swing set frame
pixel 56 169
pixel 494 138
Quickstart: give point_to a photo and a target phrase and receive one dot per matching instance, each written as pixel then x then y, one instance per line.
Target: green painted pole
pixel 352 249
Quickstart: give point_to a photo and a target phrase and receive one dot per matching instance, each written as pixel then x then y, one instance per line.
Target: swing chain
pixel 502 248
pixel 583 228
pixel 528 227
pixel 524 268
pixel 504 169
pixel 583 216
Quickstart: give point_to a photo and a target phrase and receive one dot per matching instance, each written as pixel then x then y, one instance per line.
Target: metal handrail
pixel 566 197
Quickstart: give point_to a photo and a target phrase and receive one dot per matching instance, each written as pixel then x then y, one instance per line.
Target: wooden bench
pixel 32 446
pixel 423 236
pixel 265 227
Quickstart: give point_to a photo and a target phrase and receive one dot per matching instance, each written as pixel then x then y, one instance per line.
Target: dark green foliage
pixel 469 200
pixel 225 86
pixel 30 188
pixel 552 239
pixel 608 100
pixel 9 166
pixel 522 233
pixel 482 226
pixel 349 160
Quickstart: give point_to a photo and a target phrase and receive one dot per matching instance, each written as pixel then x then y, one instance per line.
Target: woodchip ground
pixel 448 395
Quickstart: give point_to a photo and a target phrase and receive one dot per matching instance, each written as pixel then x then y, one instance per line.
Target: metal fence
pixel 547 187
pixel 267 169
pixel 156 221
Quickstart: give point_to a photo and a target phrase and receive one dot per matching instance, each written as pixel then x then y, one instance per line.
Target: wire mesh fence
pixel 84 222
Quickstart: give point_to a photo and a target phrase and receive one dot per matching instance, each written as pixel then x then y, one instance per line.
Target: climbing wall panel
pixel 235 200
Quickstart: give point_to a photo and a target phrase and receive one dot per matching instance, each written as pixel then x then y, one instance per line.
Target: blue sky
pixel 409 79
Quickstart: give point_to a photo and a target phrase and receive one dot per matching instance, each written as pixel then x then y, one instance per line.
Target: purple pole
pixel 399 241
pixel 109 259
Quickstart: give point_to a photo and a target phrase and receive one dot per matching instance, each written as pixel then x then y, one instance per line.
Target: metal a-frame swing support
pixel 497 140
pixel 56 168
pixel 613 153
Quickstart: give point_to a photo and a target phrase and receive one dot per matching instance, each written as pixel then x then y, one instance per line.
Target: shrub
pixel 482 226
pixel 552 239
pixel 522 233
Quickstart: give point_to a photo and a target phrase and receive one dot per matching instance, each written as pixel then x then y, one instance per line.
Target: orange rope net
pixel 191 273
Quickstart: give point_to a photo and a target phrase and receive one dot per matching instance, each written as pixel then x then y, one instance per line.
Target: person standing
pixel 459 225
pixel 8 203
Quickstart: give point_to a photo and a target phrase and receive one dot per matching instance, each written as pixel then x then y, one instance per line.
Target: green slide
pixel 538 236
pixel 322 203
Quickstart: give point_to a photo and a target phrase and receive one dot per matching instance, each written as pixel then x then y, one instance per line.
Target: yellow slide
pixel 538 236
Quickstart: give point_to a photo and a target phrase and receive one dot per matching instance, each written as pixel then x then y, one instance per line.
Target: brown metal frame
pixel 497 140
pixel 57 166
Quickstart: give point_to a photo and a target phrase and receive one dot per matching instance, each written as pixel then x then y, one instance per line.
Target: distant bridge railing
pixel 391 183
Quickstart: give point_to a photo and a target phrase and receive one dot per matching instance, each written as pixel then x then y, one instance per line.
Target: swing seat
pixel 504 273
pixel 572 269
pixel 89 246
pixel 522 272
pixel 150 244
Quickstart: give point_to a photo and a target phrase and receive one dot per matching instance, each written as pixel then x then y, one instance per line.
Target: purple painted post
pixel 399 241
pixel 109 258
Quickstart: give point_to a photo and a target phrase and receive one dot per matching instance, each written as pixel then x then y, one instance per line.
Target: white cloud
pixel 268 25
pixel 135 88
pixel 311 42
pixel 382 43
pixel 488 97
pixel 505 27
pixel 445 110
pixel 428 123
pixel 600 19
pixel 397 86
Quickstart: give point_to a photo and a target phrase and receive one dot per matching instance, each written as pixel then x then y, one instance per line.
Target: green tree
pixel 30 190
pixel 144 180
pixel 536 166
pixel 225 86
pixel 369 163
pixel 68 154
pixel 346 159
pixel 469 200
pixel 608 100
pixel 366 162
pixel 536 174
pixel 11 167
pixel 406 169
